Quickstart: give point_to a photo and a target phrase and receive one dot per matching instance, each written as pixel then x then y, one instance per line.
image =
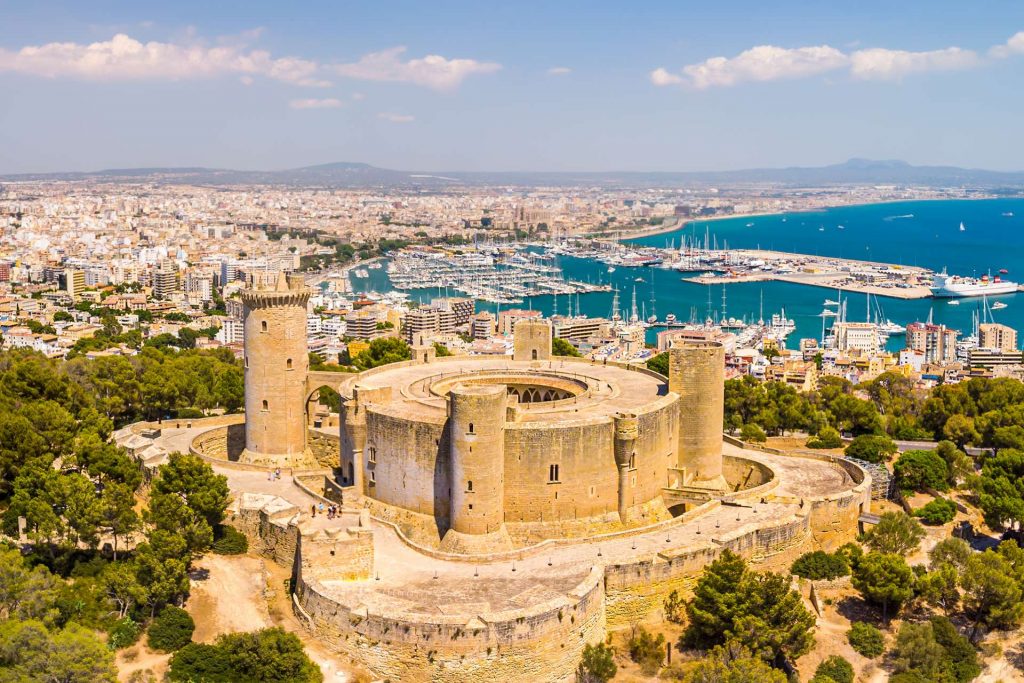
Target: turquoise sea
pixel 924 233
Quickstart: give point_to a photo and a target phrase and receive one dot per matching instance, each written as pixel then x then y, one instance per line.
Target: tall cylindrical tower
pixel 276 365
pixel 696 372
pixel 476 433
pixel 627 429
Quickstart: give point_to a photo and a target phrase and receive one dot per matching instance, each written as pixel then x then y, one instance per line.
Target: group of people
pixel 332 510
pixel 274 474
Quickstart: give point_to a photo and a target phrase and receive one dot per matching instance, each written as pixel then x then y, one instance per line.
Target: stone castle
pixel 500 513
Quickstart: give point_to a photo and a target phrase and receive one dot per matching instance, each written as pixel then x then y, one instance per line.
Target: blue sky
pixel 521 86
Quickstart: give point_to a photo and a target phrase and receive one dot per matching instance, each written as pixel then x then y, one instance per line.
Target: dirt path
pixel 227 595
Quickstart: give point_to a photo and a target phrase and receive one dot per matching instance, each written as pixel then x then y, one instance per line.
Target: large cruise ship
pixel 950 286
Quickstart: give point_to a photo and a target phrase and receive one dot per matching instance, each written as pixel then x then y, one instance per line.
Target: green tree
pixel 647 650
pixel 916 651
pixel 733 663
pixel 1000 489
pixel 29 652
pixel 827 437
pixel 659 363
pixel 921 470
pixel 960 430
pixel 952 551
pixel 193 480
pixel 834 668
pixel 560 347
pixel 271 655
pixel 941 588
pixel 818 564
pixel 171 629
pixel 866 639
pixel 598 664
pixel 885 580
pixel 992 595
pixel 381 352
pixel 896 532
pixel 753 433
pixel 758 610
pixel 871 448
pixel 937 512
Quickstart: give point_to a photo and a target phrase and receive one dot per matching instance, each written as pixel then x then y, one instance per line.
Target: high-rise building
pixel 996 336
pixel 578 328
pixel 936 342
pixel 856 337
pixel 507 319
pixel 482 325
pixel 74 282
pixel 360 325
pixel 462 307
pixel 165 280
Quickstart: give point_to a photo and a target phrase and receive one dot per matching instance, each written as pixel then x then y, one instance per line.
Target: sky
pixel 517 86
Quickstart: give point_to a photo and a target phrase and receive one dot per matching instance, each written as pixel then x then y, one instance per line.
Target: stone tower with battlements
pixel 696 372
pixel 276 365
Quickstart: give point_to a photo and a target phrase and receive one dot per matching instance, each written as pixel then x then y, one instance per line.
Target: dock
pixel 829 272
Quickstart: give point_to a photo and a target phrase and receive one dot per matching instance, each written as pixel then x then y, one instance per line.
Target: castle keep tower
pixel 476 434
pixel 276 365
pixel 531 340
pixel 696 371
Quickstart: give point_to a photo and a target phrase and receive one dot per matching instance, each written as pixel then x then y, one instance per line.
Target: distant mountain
pixel 358 175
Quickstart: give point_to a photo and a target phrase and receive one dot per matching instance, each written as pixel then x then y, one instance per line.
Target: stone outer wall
pixel 543 642
pixel 326 448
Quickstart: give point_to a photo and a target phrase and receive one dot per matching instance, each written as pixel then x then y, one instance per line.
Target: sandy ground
pixel 246 593
pixel 139 664
pixel 227 595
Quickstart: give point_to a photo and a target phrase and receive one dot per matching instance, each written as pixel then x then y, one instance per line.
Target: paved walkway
pixel 410 580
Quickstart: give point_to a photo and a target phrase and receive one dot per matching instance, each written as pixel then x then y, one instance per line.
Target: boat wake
pixel 895 218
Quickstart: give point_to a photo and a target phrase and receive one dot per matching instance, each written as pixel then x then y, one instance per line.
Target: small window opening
pixel 266 406
pixel 264 325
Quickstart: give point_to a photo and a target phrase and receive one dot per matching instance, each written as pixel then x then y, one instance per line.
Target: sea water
pixel 919 233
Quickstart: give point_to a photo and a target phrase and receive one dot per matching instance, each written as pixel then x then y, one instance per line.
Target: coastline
pixel 683 223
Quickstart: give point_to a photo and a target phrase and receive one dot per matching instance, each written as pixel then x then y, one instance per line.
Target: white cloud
pixel 1015 45
pixel 358 96
pixel 313 103
pixel 396 118
pixel 761 63
pixel 882 64
pixel 662 77
pixel 124 58
pixel 432 71
pixel 559 71
pixel 770 63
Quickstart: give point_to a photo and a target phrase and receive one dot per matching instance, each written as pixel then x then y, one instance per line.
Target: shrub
pixel 819 565
pixel 961 655
pixel 231 541
pixel 852 553
pixel 753 432
pixel 171 629
pixel 646 650
pixel 189 413
pixel 937 512
pixel 920 470
pixel 834 668
pixel 675 608
pixel 828 437
pixel 866 639
pixel 871 448
pixel 598 664
pixel 271 655
pixel 123 633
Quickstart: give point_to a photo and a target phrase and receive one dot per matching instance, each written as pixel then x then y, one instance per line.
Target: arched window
pixel 247 361
pixel 632 461
pixel 470 427
pixel 263 325
pixel 534 353
pixel 371 454
pixel 552 473
pixel 289 363
pixel 266 406
pixel 469 485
